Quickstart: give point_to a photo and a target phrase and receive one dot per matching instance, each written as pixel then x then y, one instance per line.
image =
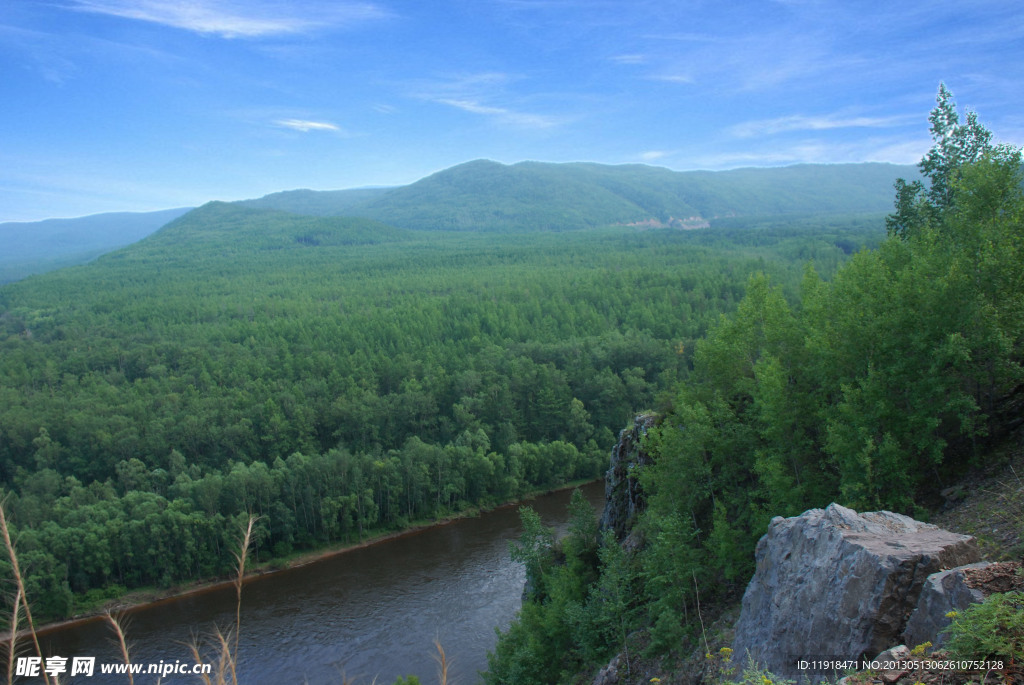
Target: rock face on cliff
pixel 943 592
pixel 624 498
pixel 832 583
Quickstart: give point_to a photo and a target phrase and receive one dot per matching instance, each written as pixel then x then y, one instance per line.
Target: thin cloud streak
pixel 306 126
pixel 504 115
pixel 888 150
pixel 652 155
pixel 673 78
pixel 230 19
pixel 798 122
pixel 629 59
pixel 476 93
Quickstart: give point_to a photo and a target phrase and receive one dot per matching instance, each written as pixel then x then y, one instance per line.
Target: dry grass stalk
pixel 696 591
pixel 226 673
pixel 243 553
pixel 14 631
pixel 195 654
pixel 442 664
pixel 240 558
pixel 123 644
pixel 20 592
pixel 227 660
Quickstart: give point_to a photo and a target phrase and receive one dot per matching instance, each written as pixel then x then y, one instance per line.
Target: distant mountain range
pixel 38 246
pixel 487 196
pixel 316 202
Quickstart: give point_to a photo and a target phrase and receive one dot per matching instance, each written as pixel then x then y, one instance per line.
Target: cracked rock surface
pixel 835 584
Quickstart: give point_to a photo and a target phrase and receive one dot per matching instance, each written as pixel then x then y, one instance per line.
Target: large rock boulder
pixel 832 583
pixel 943 592
pixel 623 496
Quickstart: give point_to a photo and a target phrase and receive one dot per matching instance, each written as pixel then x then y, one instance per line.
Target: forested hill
pixel 336 375
pixel 493 197
pixel 488 196
pixel 220 230
pixel 316 202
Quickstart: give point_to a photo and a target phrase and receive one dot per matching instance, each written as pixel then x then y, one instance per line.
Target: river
pixel 369 613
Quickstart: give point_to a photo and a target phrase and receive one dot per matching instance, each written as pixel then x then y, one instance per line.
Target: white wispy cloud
pixel 652 155
pixel 234 19
pixel 672 78
pixel 799 122
pixel 895 150
pixel 748 55
pixel 684 37
pixel 306 126
pixel 502 114
pixel 629 59
pixel 57 59
pixel 898 152
pixel 486 94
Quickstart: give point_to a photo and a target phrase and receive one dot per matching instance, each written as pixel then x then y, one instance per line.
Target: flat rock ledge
pixel 835 584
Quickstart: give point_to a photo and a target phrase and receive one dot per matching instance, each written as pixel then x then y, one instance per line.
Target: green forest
pixel 343 376
pixel 874 387
pixel 339 377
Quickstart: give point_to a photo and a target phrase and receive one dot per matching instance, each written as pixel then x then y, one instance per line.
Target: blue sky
pixel 127 105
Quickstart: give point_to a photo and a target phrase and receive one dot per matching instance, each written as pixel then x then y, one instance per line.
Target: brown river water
pixel 370 613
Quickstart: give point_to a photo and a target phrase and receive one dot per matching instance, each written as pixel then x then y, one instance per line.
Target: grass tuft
pixel 442 664
pixel 13 641
pixel 122 643
pixel 225 672
pixel 19 594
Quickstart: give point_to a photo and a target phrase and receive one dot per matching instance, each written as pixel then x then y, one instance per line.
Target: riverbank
pixel 143 598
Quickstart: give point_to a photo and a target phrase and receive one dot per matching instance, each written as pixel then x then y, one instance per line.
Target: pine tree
pixel 957 144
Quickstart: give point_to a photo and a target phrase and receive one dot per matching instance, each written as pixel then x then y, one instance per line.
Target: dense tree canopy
pixel 337 376
pixel 875 389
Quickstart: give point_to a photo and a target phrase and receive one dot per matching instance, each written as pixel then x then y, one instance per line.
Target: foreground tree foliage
pixel 876 390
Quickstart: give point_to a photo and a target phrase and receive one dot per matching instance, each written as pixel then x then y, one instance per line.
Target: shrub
pixel 992 628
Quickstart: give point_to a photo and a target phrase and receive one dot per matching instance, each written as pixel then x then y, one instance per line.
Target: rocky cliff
pixel 835 584
pixel 831 583
pixel 624 497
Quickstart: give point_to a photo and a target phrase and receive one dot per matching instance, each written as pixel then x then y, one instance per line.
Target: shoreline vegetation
pixel 140 599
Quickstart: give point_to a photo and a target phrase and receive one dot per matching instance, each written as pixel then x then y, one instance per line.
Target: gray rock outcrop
pixel 623 495
pixel 943 592
pixel 609 675
pixel 893 656
pixel 832 583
